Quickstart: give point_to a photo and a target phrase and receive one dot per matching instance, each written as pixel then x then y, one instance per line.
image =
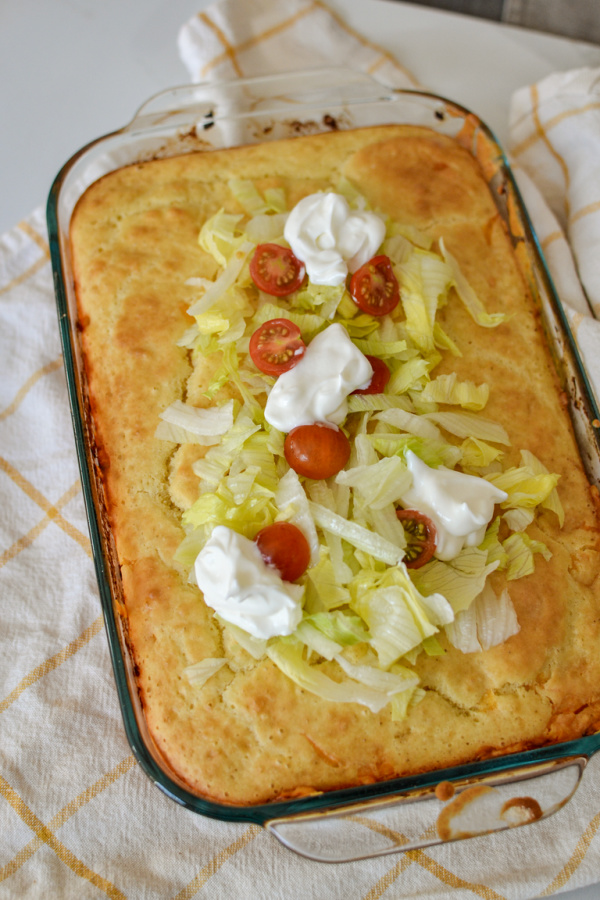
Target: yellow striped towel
pixel 554 129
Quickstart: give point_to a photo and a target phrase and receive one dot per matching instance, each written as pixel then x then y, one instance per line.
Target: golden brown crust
pixel 250 734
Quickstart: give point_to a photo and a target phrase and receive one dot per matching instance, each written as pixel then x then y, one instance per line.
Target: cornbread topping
pixel 391 659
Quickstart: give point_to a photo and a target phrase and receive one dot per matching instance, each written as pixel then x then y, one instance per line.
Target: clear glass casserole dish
pixel 388 816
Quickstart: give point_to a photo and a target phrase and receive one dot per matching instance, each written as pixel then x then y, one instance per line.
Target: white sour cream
pixel 459 505
pixel 315 390
pixel 243 589
pixel 330 238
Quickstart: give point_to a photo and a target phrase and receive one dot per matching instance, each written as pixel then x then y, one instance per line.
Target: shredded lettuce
pixel 525 486
pixel 293 506
pixel 335 498
pixel 468 424
pixel 247 518
pixel 266 229
pixel 434 453
pixel 382 349
pixel 477 454
pixel 519 518
pixel 398 248
pixel 492 545
pixel 199 673
pixel 468 296
pixel 424 279
pixel 288 657
pixel 489 621
pixel 384 521
pixel 240 484
pixel 410 375
pixel 355 199
pixel 411 234
pixel 403 702
pixel 316 640
pixel 520 549
pixel 249 197
pixel 395 615
pixel 447 389
pixel 185 424
pixel 552 501
pixel 218 459
pixel 221 236
pixel 406 421
pixel 323 297
pixel 341 627
pixel 256 647
pixel 444 341
pixel 376 402
pixel 459 580
pixel 324 590
pixel 378 484
pixel 355 534
pixel 224 281
pixel 401 679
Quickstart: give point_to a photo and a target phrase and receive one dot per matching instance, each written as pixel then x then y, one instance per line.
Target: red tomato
pixel 276 346
pixel 381 376
pixel 276 270
pixel 374 287
pixel 421 535
pixel 284 547
pixel 316 451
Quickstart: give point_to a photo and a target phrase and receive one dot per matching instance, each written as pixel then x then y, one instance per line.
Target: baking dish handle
pixel 424 817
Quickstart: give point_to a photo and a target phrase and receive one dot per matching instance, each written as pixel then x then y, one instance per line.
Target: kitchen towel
pixel 554 129
pixel 78 817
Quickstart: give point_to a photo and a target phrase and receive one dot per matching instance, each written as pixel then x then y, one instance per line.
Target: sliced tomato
pixel 316 451
pixel 381 376
pixel 374 287
pixel 421 536
pixel 284 546
pixel 276 270
pixel 276 346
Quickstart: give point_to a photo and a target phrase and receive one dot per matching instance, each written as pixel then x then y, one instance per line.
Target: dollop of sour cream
pixel 330 238
pixel 459 505
pixel 243 589
pixel 315 390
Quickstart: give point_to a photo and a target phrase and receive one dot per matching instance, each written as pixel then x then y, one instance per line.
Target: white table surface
pixel 72 70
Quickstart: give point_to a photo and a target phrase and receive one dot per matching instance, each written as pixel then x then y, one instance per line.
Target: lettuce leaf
pixel 520 549
pixel 185 424
pixel 355 534
pixel 471 301
pixel 288 657
pixel 460 580
pixel 199 673
pixel 447 389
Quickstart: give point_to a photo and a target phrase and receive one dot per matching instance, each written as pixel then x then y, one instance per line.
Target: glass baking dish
pixel 404 813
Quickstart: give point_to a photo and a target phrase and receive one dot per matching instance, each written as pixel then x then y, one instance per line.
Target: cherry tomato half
pixel 421 536
pixel 381 376
pixel 276 270
pixel 283 546
pixel 374 287
pixel 316 451
pixel 276 346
